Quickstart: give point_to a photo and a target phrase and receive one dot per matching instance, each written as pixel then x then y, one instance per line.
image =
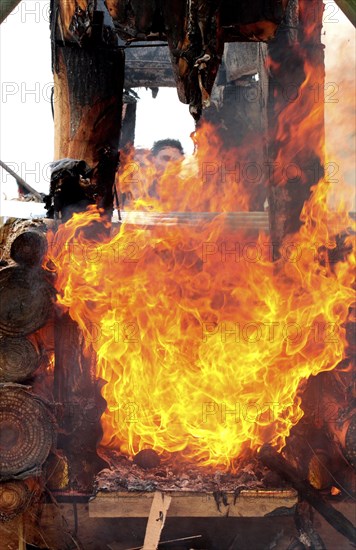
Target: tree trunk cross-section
pixel 14 499
pixel 25 300
pixel 27 432
pixel 18 359
pixel 29 248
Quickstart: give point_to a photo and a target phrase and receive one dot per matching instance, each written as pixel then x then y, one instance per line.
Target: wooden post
pixel 88 68
pixel 80 405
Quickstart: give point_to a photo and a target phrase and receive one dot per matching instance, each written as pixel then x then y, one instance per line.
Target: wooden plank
pixel 156 520
pixel 256 503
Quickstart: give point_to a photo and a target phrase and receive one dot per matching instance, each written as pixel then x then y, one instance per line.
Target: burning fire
pixel 203 350
pixel 203 341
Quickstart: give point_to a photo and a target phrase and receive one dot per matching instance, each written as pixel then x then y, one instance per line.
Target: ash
pixel 174 474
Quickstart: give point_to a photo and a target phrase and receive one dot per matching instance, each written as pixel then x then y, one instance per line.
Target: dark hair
pixel 163 143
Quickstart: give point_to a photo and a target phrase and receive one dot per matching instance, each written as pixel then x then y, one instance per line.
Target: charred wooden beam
pixel 127 137
pixel 304 523
pixel 196 52
pixel 196 32
pixel 28 248
pixel 80 404
pixel 277 463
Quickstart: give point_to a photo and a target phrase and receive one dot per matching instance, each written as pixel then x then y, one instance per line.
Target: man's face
pixel 165 156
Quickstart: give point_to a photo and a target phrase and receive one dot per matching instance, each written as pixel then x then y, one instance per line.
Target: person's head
pixel 165 151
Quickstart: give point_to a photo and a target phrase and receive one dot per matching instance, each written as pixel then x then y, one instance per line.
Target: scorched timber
pixel 192 504
pixel 277 463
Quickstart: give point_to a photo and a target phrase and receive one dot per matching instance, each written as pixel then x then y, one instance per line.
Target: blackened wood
pixel 29 248
pixel 128 126
pixel 304 521
pixel 195 30
pixel 80 404
pixel 14 499
pixel 277 463
pixel 350 442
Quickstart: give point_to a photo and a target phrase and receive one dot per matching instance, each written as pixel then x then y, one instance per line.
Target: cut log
pixel 29 248
pixel 25 300
pixel 27 432
pixel 18 359
pixel 15 496
pixel 277 463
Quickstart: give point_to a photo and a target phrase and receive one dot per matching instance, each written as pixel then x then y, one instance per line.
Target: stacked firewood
pixel 27 428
